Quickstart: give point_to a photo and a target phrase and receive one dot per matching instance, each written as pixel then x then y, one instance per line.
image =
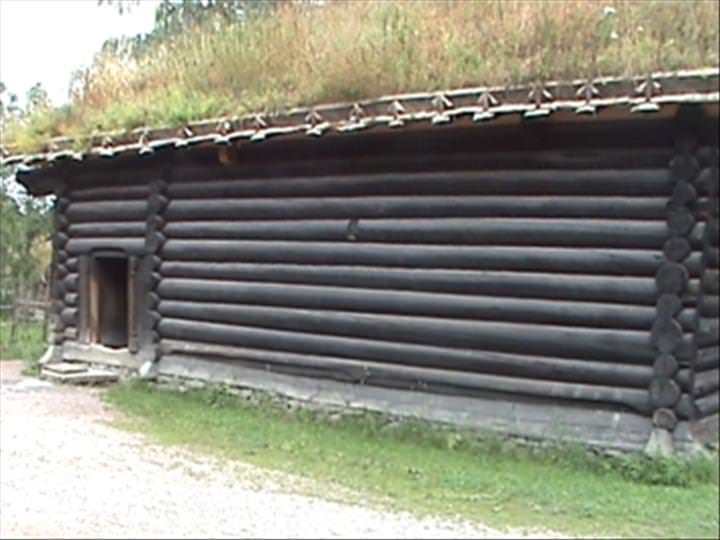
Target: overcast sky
pixel 46 40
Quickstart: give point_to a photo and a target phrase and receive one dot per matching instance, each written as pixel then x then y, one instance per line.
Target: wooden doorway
pixel 109 301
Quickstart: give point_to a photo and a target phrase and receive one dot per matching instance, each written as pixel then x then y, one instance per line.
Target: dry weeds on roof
pixel 345 51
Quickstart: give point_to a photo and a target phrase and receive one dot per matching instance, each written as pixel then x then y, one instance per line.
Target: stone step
pixel 65 367
pixel 87 376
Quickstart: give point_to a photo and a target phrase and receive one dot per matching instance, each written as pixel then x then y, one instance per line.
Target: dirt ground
pixel 66 472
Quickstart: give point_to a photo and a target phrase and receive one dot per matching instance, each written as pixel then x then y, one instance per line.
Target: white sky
pixel 46 40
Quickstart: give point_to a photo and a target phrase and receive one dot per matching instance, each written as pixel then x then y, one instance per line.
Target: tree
pixel 25 229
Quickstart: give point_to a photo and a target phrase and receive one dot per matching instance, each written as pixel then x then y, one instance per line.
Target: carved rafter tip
pixel 486 100
pixel 441 102
pixel 185 132
pixel 357 113
pixel 587 91
pixel 648 87
pixel 539 94
pixel 313 117
pixel 396 109
pixel 258 121
pixel 224 127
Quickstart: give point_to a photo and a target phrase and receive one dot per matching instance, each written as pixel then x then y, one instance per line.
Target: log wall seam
pixel 706 385
pixel 62 202
pixel 154 241
pixel 674 373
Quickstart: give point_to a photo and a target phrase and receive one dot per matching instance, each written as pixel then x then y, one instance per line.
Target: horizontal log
pixel 708 333
pixel 71 263
pixel 602 315
pixel 69 316
pixel 685 378
pixel 711 282
pixel 665 365
pixel 376 373
pixel 597 261
pixel 407 207
pixel 707 358
pixel 642 182
pixel 70 283
pixel 100 229
pixel 82 246
pixel 671 278
pixel 114 192
pixel 666 335
pixel 685 407
pixel 683 193
pixel 549 232
pixel 547 368
pixel 708 306
pixel 706 382
pixel 423 153
pixel 305 328
pixel 61 239
pixel 712 256
pixel 668 306
pixel 70 334
pixel 711 232
pixel 107 211
pixel 686 350
pixel 708 405
pixel 664 392
pixel 676 248
pixel 680 221
pixel 71 299
pixel 629 290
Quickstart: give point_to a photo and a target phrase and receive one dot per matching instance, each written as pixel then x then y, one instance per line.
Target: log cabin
pixel 539 261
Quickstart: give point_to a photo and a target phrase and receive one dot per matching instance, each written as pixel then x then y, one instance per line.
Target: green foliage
pixel 217 58
pixel 25 227
pixel 428 469
pixel 27 345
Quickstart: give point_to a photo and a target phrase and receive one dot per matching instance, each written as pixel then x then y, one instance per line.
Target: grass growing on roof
pixel 438 471
pixel 344 51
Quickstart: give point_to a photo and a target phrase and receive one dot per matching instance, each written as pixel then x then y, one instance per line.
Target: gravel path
pixel 66 472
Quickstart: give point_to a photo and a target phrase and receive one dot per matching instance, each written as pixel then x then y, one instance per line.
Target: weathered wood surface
pixel 624 182
pixel 399 207
pixel 98 211
pixel 560 286
pixel 546 283
pixel 570 370
pixel 83 246
pixel 602 315
pixel 368 372
pixel 614 262
pixel 709 404
pixel 110 192
pixel 371 334
pixel 708 358
pixel 706 382
pixel 542 232
pixel 107 229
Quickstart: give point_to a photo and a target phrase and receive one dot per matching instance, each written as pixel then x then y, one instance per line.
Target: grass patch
pixel 430 470
pixel 28 344
pixel 344 51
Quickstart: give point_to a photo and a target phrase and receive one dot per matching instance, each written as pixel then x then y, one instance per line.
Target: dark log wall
pixel 584 272
pixel 538 278
pixel 705 384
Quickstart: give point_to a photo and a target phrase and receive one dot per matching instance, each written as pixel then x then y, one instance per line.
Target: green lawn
pixel 28 343
pixel 429 470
